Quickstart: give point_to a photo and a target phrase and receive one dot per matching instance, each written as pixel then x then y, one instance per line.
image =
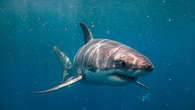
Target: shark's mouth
pixel 125 77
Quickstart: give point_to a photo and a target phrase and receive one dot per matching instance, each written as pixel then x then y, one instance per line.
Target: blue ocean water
pixel 163 30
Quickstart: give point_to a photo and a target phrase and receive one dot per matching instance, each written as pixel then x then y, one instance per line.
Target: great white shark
pixel 102 61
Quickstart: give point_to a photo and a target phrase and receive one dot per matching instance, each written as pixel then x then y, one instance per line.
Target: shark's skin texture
pixel 102 61
pixel 110 62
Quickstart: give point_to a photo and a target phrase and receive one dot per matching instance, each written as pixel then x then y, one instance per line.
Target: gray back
pixel 98 54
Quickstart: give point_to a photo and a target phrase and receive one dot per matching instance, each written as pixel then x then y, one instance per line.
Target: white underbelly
pixel 103 78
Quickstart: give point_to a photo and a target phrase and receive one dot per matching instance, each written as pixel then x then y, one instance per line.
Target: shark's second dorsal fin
pixel 87 33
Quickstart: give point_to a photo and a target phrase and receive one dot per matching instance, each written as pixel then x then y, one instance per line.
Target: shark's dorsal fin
pixel 87 33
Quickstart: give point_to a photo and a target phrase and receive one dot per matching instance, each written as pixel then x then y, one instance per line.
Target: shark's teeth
pixel 124 77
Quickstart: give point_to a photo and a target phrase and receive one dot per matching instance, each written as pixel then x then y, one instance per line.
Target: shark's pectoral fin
pixel 70 81
pixel 142 85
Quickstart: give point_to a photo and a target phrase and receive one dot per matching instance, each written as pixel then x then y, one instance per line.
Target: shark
pixel 102 62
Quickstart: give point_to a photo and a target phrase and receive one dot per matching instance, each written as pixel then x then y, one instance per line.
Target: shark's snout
pixel 145 65
pixel 149 68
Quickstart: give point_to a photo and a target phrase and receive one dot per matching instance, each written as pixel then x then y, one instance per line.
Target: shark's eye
pixel 123 64
pixel 120 64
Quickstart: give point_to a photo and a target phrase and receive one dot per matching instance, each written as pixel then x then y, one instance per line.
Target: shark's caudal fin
pixel 87 33
pixel 65 63
pixel 70 81
pixel 142 85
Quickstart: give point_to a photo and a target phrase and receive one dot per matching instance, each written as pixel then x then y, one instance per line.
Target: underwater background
pixel 163 30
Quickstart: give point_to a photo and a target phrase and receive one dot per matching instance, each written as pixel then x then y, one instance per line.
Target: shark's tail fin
pixel 65 62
